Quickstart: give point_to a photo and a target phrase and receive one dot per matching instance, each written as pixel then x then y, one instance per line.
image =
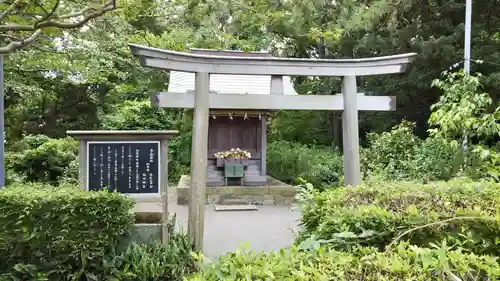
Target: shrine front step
pixel 233 208
pixel 230 201
pixel 259 200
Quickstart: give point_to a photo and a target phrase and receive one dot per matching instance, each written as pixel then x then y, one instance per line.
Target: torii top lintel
pixel 188 62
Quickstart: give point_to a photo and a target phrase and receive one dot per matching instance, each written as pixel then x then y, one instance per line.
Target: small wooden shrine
pixel 240 130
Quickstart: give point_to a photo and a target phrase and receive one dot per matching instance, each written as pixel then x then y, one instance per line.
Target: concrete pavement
pixel 270 228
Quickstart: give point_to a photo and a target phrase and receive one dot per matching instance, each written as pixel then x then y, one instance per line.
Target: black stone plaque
pixel 127 167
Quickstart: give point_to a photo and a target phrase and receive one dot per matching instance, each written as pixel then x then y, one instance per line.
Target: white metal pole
pixel 468 16
pixel 467 43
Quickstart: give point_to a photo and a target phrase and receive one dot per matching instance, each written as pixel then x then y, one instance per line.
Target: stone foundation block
pixel 276 193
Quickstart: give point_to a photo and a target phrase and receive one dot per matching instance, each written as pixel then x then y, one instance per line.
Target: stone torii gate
pixel 202 100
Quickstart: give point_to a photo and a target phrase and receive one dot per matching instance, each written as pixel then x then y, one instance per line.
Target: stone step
pixel 232 201
pixel 255 169
pixel 226 208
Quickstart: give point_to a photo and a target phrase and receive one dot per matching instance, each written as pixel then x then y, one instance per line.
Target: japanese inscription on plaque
pixel 127 167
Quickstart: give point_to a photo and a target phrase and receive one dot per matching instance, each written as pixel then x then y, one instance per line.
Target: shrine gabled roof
pixel 181 82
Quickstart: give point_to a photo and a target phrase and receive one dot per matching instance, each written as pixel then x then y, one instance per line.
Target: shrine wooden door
pixel 225 133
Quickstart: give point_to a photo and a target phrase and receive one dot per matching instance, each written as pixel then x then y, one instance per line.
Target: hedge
pixel 375 214
pixel 63 231
pixel 407 263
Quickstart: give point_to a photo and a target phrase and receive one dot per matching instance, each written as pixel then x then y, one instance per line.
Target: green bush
pixel 179 156
pixel 483 163
pixel 400 155
pixel 391 154
pixel 407 263
pixel 71 173
pixel 301 126
pixel 138 115
pixel 64 231
pixel 438 159
pixel 24 272
pixel 375 214
pixel 321 166
pixel 153 261
pixel 38 158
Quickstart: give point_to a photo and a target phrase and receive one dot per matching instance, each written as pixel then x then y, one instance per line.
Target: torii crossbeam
pixel 201 100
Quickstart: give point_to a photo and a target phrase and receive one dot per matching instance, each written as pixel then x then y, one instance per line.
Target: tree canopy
pixel 23 22
pixel 76 78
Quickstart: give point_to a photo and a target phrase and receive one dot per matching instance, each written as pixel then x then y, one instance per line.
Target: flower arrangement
pixel 233 154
